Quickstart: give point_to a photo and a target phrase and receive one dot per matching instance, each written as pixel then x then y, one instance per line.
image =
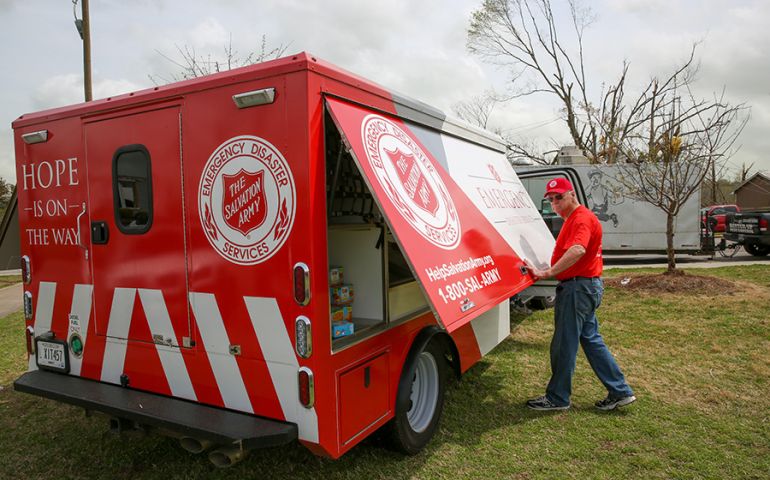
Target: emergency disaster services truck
pixel 280 252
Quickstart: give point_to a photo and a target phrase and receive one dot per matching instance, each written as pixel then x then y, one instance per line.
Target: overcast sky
pixel 416 47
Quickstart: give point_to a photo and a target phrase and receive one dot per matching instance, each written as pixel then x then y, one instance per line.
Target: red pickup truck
pixel 714 216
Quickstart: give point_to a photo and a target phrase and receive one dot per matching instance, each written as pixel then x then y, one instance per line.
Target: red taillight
pixel 26 269
pixel 306 387
pixel 301 283
pixel 763 224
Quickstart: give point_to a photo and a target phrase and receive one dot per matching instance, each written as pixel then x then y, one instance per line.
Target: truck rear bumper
pixel 181 416
pixel 748 238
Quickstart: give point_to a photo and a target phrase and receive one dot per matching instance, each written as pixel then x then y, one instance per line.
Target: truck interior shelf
pixel 364 253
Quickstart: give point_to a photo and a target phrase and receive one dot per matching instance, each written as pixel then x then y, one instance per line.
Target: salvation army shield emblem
pixel 243 205
pixel 414 182
pixel 247 200
pixel 410 181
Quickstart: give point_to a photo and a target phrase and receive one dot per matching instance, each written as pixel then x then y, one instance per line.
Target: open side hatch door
pixel 456 209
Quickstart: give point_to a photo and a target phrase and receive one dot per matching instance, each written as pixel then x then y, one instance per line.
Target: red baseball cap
pixel 558 185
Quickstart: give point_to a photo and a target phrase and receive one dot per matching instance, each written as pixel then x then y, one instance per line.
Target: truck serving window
pixel 132 187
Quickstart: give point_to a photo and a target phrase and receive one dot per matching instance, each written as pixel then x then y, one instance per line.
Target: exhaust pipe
pixel 195 445
pixel 228 456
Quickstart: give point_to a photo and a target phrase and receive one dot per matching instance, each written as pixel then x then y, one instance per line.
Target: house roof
pixel 758 174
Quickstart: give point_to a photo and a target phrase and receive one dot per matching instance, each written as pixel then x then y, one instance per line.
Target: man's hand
pixel 570 257
pixel 537 273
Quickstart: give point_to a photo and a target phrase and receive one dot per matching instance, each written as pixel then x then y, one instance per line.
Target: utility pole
pixel 84 29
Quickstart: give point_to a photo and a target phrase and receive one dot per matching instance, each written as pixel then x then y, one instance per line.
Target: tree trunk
pixel 670 243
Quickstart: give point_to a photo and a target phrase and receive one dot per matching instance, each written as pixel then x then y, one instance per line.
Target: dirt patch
pixel 674 283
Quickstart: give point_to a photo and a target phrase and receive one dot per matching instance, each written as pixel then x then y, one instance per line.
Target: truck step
pixel 184 417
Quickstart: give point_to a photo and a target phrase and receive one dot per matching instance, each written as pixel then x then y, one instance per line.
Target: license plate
pixel 52 355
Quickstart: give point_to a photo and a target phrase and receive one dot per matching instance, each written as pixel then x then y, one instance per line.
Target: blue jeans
pixel 575 320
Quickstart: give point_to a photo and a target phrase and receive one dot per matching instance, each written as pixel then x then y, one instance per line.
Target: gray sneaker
pixel 611 403
pixel 543 404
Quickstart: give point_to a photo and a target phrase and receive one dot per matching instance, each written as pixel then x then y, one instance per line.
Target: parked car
pixel 715 216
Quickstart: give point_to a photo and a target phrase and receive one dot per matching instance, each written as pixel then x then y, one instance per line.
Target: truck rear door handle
pixel 80 237
pixel 99 233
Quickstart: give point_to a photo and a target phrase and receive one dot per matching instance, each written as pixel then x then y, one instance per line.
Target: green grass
pixel 13 348
pixel 7 281
pixel 700 365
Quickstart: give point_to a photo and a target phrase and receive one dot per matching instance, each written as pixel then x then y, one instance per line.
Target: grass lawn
pixel 8 280
pixel 699 363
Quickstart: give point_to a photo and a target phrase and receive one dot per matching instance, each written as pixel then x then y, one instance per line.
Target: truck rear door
pixel 138 256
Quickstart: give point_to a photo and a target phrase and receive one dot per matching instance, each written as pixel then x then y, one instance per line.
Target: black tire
pixel 417 419
pixel 542 303
pixel 756 249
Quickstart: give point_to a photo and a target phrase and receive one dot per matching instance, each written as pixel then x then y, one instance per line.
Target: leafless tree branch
pixel 192 65
pixel 666 139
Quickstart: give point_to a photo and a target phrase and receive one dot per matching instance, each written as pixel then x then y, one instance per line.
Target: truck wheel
pixel 756 249
pixel 420 398
pixel 542 303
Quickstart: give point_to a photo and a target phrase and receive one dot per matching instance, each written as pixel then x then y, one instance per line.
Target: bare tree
pixel 670 139
pixel 684 140
pixel 192 65
pixel 477 109
pixel 522 34
pixel 743 175
pixel 522 147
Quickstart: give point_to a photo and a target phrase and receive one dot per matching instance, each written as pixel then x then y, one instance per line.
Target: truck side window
pixel 132 187
pixel 536 186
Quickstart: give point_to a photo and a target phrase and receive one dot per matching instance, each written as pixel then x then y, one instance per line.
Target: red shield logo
pixel 243 206
pixel 413 181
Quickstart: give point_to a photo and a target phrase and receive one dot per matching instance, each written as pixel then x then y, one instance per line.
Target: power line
pixel 532 126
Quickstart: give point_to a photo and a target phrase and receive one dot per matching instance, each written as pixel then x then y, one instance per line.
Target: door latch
pixel 99 233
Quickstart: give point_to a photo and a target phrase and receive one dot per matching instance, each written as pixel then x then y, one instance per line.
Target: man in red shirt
pixel 577 264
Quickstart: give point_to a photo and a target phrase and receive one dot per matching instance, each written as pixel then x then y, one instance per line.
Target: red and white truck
pixel 182 249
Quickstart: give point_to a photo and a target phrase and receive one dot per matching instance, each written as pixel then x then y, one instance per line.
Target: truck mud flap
pixel 188 418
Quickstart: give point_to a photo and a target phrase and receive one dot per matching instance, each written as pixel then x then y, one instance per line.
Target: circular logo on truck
pixel 246 200
pixel 410 181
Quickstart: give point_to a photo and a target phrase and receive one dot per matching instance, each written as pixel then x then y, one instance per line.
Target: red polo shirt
pixel 581 228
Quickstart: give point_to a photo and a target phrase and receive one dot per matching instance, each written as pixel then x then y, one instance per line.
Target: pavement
pixel 683 261
pixel 11 299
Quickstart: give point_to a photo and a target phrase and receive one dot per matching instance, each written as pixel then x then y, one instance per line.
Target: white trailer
pixel 629 225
